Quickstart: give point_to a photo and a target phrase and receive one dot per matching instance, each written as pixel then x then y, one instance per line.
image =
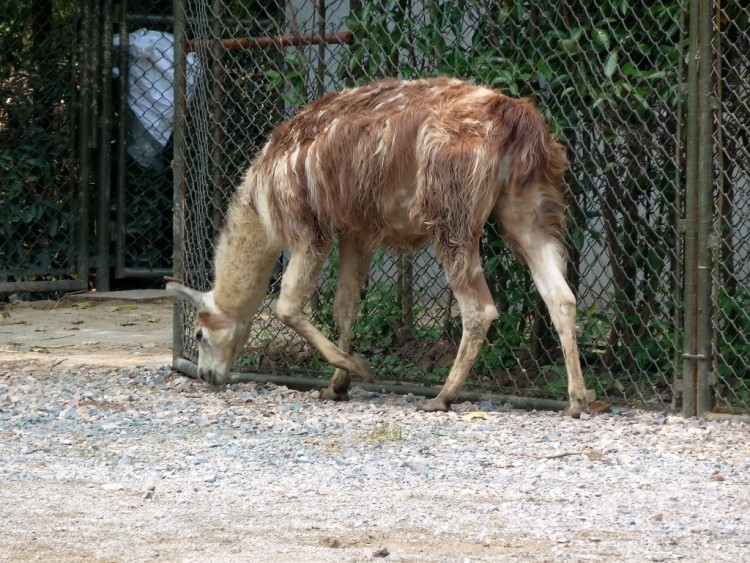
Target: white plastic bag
pixel 151 92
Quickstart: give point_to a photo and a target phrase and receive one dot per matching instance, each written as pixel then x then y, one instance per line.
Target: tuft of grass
pixel 387 433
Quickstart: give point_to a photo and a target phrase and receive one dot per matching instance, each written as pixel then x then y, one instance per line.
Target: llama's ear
pixel 176 289
pixel 213 321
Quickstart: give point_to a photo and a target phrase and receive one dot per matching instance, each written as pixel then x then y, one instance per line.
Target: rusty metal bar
pixel 280 41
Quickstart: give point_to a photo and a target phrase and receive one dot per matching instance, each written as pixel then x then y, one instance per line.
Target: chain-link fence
pixel 86 111
pixel 619 82
pixel 730 226
pixel 43 202
pixel 144 99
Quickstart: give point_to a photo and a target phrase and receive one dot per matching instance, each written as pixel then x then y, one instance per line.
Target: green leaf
pixel 356 60
pixel 570 46
pixel 656 75
pixel 601 38
pixel 351 22
pixel 611 65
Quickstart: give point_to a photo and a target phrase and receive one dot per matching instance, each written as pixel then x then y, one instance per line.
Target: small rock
pixel 381 552
pixel 113 486
pixel 124 460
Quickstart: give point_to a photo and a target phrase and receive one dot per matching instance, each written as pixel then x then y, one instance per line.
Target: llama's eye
pixel 199 335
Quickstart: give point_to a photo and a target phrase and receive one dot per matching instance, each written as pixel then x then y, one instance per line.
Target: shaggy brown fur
pixel 399 163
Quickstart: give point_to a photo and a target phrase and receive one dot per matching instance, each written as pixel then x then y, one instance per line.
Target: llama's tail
pixel 534 154
pixel 535 161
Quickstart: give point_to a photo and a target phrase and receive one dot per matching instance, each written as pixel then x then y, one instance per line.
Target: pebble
pixel 626 482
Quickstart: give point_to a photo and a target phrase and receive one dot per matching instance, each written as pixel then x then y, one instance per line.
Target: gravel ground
pixel 138 464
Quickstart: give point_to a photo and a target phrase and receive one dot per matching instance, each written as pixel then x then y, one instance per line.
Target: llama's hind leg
pixel 477 313
pixel 546 260
pixel 354 257
pixel 297 284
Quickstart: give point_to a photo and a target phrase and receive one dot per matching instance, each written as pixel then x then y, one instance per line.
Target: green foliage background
pixel 38 170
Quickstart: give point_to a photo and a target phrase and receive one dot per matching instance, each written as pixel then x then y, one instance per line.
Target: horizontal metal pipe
pixel 144 273
pixel 41 286
pixel 529 403
pixel 339 38
pixel 724 416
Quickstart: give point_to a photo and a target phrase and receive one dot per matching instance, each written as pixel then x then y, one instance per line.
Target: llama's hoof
pixel 438 404
pixel 364 370
pixel 330 394
pixel 573 411
pixel 580 403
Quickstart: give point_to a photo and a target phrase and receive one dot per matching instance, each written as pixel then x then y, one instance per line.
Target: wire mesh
pixel 609 76
pixel 731 227
pixel 144 73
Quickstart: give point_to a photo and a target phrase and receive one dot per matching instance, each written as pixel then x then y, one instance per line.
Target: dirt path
pixel 111 333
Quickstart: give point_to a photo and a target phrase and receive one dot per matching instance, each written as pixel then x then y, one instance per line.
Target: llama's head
pixel 220 338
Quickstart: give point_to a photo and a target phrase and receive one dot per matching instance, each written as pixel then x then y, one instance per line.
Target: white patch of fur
pixel 505 163
pixel 490 312
pixel 293 163
pixel 384 142
pixel 479 169
pixel 331 133
pixel 548 276
pixel 389 101
pixel 263 209
pixel 477 271
pixel 312 187
pixel 480 94
pixel 208 302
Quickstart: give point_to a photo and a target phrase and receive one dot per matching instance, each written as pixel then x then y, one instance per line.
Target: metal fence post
pixel 104 179
pixel 704 400
pixel 122 108
pixel 698 215
pixel 178 170
pixel 689 365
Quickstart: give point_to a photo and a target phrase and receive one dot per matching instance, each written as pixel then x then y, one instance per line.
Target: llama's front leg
pixel 477 313
pixel 354 259
pixel 297 284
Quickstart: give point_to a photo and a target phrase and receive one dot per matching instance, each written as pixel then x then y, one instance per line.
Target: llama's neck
pixel 243 263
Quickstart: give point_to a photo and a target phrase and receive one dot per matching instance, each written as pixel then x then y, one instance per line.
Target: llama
pixel 395 164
